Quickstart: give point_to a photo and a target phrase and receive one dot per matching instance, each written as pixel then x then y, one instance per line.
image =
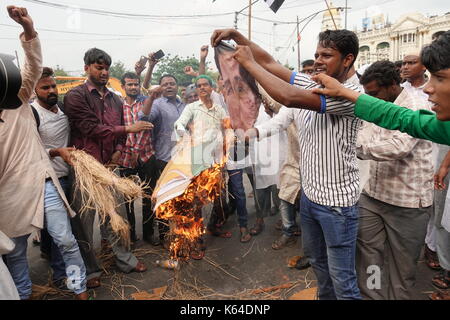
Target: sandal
pixel 93 283
pixel 442 280
pixel 440 296
pixel 257 228
pixel 283 241
pixel 220 233
pixel 432 259
pixel 245 236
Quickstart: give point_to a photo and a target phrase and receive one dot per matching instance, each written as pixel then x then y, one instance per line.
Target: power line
pixel 125 15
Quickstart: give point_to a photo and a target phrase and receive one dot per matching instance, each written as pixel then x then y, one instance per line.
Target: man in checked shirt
pixel 138 157
pixel 396 202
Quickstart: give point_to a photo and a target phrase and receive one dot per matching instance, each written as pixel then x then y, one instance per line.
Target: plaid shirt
pixel 136 142
pixel 402 173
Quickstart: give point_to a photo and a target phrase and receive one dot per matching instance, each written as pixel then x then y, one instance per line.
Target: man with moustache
pixel 97 127
pixel 206 124
pixel 138 156
pixel 327 133
pixel 162 113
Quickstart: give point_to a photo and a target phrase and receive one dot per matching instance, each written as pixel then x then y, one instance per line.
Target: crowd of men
pixel 350 229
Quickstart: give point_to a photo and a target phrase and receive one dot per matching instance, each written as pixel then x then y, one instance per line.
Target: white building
pixel 386 41
pixel 409 33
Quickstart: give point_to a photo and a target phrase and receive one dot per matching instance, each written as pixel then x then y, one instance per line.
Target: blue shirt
pixel 163 116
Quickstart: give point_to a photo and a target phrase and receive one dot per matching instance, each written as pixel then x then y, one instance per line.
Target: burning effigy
pixel 184 188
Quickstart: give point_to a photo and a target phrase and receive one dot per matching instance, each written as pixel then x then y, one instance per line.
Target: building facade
pixel 386 41
pixel 393 41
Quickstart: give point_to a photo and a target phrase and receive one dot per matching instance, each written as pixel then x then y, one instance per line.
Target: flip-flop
pixel 197 254
pixel 93 283
pixel 245 237
pixel 220 233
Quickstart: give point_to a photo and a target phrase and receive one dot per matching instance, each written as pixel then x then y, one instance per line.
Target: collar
pixel 178 101
pixel 91 88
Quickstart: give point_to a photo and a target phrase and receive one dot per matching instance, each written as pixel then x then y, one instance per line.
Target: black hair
pixel 95 55
pixel 398 63
pixel 436 56
pixel 437 35
pixel 383 72
pixel 167 76
pixel 47 72
pixel 307 63
pixel 129 75
pixel 344 41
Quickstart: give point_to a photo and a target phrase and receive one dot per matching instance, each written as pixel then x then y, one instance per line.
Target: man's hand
pixel 155 93
pixel 64 153
pixel 134 159
pixel 204 52
pixel 333 88
pixel 226 34
pixel 20 15
pixel 190 71
pixel 439 178
pixel 139 126
pixel 139 67
pixel 244 55
pixel 115 158
pixel 152 61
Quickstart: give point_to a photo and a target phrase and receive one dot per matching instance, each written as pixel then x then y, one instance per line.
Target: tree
pixel 117 70
pixel 175 66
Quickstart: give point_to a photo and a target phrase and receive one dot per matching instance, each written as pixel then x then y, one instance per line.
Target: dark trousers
pixel 162 225
pixel 147 172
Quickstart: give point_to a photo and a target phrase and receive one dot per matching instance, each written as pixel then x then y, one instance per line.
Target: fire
pixel 184 212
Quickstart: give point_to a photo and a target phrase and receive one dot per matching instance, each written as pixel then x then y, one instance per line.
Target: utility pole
pixel 298 45
pixel 236 20
pixel 250 20
pixel 346 10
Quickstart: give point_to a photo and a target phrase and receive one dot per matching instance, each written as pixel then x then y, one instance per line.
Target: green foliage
pixel 117 70
pixel 175 66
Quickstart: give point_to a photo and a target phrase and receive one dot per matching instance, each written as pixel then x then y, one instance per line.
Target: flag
pixel 274 4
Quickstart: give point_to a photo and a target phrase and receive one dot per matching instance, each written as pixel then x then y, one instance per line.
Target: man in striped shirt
pixel 329 171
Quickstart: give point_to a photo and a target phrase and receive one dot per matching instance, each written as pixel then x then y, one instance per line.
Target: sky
pixel 144 26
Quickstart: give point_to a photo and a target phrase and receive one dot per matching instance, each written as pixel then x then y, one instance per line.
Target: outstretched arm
pixel 262 57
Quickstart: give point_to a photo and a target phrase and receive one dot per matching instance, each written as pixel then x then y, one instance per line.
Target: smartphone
pixel 143 60
pixel 159 54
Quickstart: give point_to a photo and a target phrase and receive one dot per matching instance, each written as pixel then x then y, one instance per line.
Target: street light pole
pixel 346 10
pixel 298 45
pixel 250 20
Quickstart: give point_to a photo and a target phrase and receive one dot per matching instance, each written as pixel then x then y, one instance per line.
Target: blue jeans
pixel 237 193
pixel 329 241
pixel 288 215
pixel 17 264
pixel 58 226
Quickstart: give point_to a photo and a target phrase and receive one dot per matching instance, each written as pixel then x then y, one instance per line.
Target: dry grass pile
pixel 101 190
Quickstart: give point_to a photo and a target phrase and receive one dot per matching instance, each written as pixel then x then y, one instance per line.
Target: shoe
pixel 93 283
pixel 440 295
pixel 283 241
pixel 302 263
pixel 140 267
pixel 432 259
pixel 257 228
pixel 245 236
pixel 82 296
pixel 442 280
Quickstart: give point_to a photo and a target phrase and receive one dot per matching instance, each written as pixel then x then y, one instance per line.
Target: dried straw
pixel 101 189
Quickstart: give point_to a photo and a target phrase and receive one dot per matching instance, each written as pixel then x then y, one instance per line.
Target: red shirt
pixel 96 122
pixel 136 142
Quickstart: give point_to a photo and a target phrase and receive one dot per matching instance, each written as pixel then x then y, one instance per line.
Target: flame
pixel 184 212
